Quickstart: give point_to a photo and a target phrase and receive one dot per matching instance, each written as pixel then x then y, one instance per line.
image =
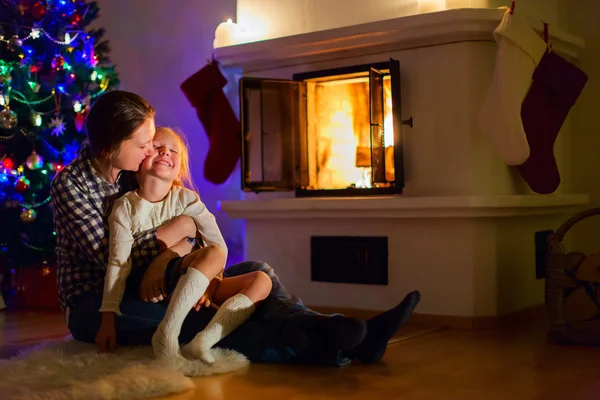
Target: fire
pixel 343 135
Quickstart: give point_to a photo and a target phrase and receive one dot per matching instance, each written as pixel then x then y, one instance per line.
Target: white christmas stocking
pixel 520 49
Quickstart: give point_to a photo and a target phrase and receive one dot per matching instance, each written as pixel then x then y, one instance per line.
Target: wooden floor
pixel 510 364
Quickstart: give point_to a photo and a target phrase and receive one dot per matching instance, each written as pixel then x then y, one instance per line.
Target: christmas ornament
pixel 28 215
pixel 34 161
pixel 58 62
pixel 5 79
pixel 38 10
pixel 35 33
pixel 75 19
pixel 22 184
pixel 80 120
pixel 35 118
pixel 14 42
pixel 8 119
pixel 8 163
pixel 58 124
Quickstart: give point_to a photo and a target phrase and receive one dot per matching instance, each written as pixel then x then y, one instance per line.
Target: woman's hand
pixel 106 338
pixel 152 287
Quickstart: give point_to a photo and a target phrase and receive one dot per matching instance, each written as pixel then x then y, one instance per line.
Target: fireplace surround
pixel 458 224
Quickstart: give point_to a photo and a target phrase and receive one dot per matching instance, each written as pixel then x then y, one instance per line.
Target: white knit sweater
pixel 132 215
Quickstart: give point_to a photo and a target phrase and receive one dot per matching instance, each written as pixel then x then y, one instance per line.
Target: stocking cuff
pixel 514 28
pixel 561 76
pixel 197 86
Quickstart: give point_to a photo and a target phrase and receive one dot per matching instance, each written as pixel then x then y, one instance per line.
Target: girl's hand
pixel 206 299
pixel 106 338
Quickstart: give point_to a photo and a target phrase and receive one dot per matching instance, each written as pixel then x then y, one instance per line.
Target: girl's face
pixel 135 149
pixel 165 162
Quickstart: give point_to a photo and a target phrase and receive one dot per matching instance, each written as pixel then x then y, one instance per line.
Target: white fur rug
pixel 72 370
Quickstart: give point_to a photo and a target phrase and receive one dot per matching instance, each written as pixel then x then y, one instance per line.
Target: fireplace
pixel 462 231
pixel 334 132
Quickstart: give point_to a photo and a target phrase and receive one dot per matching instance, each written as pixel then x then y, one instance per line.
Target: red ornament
pixel 38 10
pixel 8 163
pixel 58 62
pixel 22 185
pixel 80 121
pixel 75 19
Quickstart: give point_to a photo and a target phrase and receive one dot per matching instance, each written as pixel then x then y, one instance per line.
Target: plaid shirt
pixel 82 202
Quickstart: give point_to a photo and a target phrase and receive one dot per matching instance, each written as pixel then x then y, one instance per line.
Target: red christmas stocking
pixel 204 90
pixel 555 88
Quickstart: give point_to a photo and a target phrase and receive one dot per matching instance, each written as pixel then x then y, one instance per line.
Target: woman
pixel 120 129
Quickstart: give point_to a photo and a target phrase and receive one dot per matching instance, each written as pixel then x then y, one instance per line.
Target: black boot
pixel 381 328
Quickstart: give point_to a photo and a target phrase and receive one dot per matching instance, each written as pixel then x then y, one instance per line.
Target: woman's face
pixel 135 149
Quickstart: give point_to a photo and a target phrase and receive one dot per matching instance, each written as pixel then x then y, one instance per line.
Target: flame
pixel 343 134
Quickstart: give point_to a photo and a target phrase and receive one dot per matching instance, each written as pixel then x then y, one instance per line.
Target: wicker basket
pixel 562 280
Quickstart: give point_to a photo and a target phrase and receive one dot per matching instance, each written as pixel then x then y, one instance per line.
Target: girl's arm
pixel 204 219
pixel 175 231
pixel 119 256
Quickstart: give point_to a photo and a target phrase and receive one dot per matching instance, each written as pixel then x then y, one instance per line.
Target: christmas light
pixel 36 118
pixel 48 105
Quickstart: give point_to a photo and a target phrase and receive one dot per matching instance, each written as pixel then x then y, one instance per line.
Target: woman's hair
pixel 113 118
pixel 184 172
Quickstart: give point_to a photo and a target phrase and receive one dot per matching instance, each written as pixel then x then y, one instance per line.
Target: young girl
pixel 161 197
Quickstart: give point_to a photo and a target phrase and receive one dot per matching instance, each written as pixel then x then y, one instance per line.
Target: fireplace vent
pixel 349 259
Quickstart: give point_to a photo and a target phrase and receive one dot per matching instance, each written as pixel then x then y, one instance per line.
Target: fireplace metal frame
pixel 295 169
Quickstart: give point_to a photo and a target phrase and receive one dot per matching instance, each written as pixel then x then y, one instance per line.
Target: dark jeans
pixel 263 338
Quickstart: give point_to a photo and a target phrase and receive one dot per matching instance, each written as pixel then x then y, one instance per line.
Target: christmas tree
pixel 52 67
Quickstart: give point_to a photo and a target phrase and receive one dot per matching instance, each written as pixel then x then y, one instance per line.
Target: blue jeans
pixel 263 338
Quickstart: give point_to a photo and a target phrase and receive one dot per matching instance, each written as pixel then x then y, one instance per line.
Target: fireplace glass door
pixel 325 133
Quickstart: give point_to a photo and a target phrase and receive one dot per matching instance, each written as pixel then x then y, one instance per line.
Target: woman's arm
pixel 119 256
pixel 77 219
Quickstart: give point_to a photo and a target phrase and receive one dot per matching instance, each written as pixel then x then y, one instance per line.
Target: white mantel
pixel 430 29
pixel 463 230
pixel 404 207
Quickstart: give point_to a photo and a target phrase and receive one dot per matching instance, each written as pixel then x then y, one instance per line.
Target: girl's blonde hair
pixel 184 172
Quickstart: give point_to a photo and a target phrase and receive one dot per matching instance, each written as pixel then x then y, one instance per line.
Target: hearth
pixel 334 132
